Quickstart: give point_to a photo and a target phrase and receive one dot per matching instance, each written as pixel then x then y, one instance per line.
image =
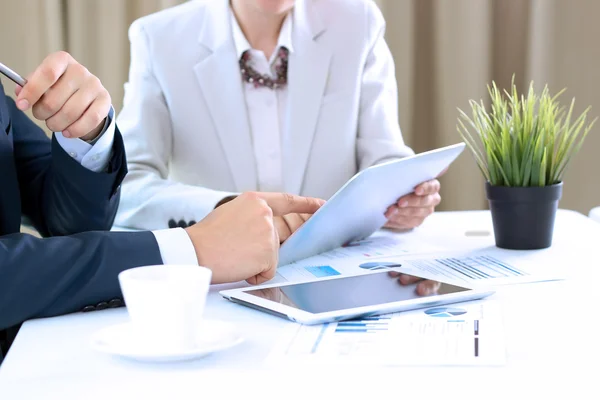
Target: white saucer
pixel 119 340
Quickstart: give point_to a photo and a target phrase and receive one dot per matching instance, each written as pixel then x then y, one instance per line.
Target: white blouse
pixel 267 108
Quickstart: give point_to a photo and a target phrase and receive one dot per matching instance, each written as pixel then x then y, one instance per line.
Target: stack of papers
pixel 481 268
pixel 458 334
pixel 352 259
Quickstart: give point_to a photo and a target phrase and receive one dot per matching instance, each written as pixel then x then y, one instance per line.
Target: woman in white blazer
pixel 288 96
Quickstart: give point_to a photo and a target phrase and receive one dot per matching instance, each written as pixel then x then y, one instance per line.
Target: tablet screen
pixel 350 292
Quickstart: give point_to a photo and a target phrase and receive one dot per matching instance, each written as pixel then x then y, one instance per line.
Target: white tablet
pixel 348 297
pixel 357 209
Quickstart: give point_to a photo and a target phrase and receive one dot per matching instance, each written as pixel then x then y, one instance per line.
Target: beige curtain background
pixel 446 52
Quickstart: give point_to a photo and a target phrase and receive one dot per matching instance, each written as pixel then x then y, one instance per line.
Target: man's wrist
pixel 94 135
pixel 225 200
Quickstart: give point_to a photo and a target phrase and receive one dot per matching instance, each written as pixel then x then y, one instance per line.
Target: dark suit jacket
pixel 76 265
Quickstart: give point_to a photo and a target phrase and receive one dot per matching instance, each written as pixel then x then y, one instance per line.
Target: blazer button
pixel 182 224
pixel 88 308
pixel 102 305
pixel 115 303
pixel 192 223
pixel 172 224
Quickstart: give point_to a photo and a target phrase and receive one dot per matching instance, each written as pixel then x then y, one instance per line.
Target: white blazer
pixel 185 122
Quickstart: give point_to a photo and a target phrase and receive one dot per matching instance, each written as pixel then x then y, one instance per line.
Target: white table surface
pixel 595 214
pixel 552 335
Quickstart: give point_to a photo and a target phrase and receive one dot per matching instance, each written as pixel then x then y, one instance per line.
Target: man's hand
pixel 285 224
pixel 65 95
pixel 288 224
pixel 239 240
pixel 411 210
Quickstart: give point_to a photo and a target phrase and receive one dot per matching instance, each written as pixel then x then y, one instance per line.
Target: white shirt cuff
pixel 175 247
pixel 93 157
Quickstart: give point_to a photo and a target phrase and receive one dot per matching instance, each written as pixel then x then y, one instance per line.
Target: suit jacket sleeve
pixel 59 195
pixel 59 275
pixel 379 136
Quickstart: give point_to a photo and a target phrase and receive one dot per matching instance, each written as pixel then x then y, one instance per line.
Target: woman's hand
pixel 425 287
pixel 411 210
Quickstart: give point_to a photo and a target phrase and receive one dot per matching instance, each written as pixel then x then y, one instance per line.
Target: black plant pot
pixel 523 217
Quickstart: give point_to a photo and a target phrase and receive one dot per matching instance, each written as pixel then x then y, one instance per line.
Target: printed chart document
pixel 485 268
pixel 488 267
pixel 462 334
pixel 353 259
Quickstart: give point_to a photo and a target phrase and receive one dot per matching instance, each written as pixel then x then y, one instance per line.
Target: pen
pixel 12 75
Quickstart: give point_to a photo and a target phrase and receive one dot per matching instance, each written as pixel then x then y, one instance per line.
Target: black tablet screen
pixel 349 292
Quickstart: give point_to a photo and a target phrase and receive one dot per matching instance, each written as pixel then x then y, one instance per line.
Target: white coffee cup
pixel 166 303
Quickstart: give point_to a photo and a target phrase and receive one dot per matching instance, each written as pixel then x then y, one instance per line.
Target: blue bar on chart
pixel 319 338
pixel 363 324
pixel 322 271
pixel 366 325
pixel 371 318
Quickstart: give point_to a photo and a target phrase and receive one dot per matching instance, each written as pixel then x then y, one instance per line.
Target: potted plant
pixel 522 146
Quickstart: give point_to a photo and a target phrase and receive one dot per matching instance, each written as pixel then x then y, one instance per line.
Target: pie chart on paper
pixel 445 312
pixel 374 266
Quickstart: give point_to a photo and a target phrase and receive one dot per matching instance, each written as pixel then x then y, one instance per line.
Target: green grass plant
pixel 523 141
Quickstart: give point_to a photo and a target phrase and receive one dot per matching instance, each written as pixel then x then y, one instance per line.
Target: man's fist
pixel 239 240
pixel 65 95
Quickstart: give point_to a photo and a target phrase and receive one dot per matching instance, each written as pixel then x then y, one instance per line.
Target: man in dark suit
pixel 69 188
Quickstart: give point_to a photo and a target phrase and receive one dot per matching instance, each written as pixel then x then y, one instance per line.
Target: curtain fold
pixel 97 36
pixel 458 47
pixel 445 52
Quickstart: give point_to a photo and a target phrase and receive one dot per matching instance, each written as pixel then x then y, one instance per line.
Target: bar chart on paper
pixel 355 337
pixel 366 325
pixel 469 335
pixel 475 269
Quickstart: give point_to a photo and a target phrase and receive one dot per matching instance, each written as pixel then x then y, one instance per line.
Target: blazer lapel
pixel 220 81
pixel 10 203
pixel 307 77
